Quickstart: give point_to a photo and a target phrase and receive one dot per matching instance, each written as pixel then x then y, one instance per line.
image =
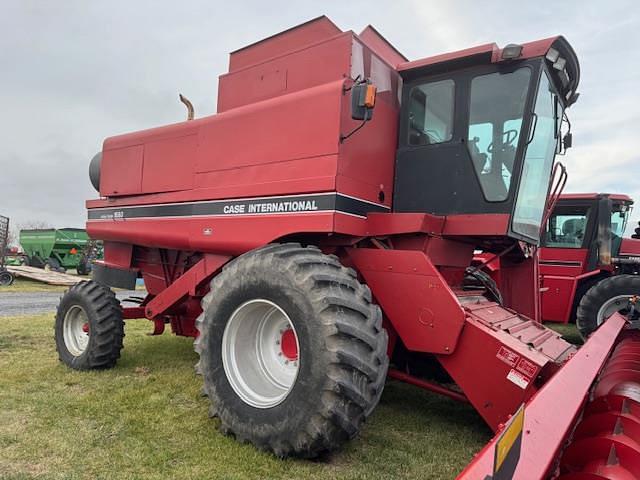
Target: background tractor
pixel 315 235
pixel 588 269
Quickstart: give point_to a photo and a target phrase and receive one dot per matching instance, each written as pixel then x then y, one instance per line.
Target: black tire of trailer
pixel 342 348
pixel 34 261
pixel 6 278
pixel 84 267
pixel 53 265
pixel 598 295
pixel 105 324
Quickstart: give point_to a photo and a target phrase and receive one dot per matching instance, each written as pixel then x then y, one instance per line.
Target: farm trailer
pixel 315 235
pixel 6 277
pixel 54 249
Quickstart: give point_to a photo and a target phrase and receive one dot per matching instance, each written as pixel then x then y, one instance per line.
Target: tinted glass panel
pixel 536 169
pixel 495 119
pixel 566 228
pixel 431 113
pixel 619 221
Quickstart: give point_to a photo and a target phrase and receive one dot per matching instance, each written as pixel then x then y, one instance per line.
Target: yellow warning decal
pixel 508 438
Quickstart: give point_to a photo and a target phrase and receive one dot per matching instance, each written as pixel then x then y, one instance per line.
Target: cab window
pixel 495 120
pixel 431 113
pixel 566 228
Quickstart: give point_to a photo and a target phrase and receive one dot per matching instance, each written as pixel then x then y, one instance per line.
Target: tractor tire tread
pixel 594 298
pixel 107 326
pixel 355 344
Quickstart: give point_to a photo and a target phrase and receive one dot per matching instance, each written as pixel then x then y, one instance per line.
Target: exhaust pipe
pixel 189 105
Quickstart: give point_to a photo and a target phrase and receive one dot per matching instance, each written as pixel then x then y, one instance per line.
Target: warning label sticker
pixel 518 378
pixel 528 368
pixel 508 356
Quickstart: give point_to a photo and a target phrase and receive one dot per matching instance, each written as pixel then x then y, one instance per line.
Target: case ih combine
pixel 316 231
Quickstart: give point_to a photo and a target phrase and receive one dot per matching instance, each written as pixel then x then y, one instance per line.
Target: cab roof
pixel 620 197
pixel 490 51
pixel 557 48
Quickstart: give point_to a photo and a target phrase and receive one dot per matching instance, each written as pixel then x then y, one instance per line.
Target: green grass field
pixel 145 419
pixel 25 285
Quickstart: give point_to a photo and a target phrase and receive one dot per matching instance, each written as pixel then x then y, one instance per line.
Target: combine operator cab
pixel 479 130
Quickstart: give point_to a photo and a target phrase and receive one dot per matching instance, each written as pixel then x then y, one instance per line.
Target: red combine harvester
pixel 320 228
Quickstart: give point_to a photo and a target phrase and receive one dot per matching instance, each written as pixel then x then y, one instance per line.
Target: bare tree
pixel 14 230
pixel 12 237
pixel 34 224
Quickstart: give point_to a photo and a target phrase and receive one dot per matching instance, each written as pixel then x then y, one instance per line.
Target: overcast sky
pixel 73 72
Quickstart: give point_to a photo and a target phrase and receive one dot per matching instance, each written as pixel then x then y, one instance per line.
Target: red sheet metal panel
pixel 551 413
pixel 122 171
pixel 161 173
pixel 526 331
pixel 313 31
pixel 412 294
pixel 385 224
pixel 185 285
pixel 630 246
pixel 301 68
pixel 496 371
pixel 258 128
pixel 374 40
pixel 234 235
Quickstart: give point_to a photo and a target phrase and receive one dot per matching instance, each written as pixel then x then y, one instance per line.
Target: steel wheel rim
pixel 75 337
pixel 614 304
pixel 258 367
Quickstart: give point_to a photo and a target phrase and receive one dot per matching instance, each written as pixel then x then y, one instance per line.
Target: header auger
pixel 316 233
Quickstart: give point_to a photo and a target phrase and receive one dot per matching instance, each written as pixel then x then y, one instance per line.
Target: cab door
pixel 563 258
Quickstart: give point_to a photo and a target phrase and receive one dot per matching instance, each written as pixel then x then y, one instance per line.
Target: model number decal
pixel 116 215
pixel 508 356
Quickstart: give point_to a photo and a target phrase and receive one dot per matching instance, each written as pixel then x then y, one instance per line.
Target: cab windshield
pixel 538 160
pixel 619 217
pixel 495 121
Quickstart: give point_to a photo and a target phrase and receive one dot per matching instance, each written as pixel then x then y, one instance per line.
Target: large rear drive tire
pixel 606 297
pixel 89 328
pixel 292 350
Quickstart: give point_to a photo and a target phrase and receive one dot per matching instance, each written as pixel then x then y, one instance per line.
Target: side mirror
pixel 363 99
pixel 567 141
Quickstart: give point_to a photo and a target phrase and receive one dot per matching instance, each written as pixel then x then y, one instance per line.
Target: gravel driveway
pixel 33 303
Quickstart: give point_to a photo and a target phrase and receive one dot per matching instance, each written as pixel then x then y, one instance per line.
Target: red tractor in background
pixel 314 237
pixel 588 270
